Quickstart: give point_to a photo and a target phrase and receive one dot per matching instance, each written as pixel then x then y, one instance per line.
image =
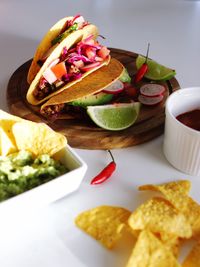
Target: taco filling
pixel 77 109
pixel 104 86
pixel 77 23
pixel 71 25
pixel 84 56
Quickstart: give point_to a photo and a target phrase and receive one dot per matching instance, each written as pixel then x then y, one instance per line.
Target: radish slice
pixel 152 89
pixel 115 88
pixel 150 101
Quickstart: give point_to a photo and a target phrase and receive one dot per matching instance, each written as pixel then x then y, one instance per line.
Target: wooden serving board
pixel 84 134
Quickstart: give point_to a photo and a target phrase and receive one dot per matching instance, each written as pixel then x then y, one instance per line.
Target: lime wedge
pixel 125 77
pixel 114 117
pixel 155 71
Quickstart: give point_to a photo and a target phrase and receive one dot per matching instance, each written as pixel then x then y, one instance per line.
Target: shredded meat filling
pixel 41 93
pixel 52 110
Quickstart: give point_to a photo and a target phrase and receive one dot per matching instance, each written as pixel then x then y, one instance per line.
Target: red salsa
pixel 191 119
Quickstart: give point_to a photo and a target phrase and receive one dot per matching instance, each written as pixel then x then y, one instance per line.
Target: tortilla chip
pixel 37 138
pixel 158 216
pixel 150 252
pixel 191 210
pixel 6 122
pixel 44 46
pixel 193 258
pixel 6 144
pixel 7 140
pixel 67 42
pixel 6 116
pixel 182 186
pixel 6 126
pixel 91 84
pixel 171 242
pixel 177 196
pixel 104 223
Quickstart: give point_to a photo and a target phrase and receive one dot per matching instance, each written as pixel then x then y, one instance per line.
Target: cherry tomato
pixel 130 90
pixel 103 52
pixel 90 52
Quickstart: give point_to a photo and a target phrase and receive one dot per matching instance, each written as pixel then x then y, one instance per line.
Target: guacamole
pixel 20 172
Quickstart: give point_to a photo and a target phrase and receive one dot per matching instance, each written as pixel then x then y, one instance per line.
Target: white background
pixel 48 237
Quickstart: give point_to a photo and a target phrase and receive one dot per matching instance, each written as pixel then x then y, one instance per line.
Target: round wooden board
pixel 80 134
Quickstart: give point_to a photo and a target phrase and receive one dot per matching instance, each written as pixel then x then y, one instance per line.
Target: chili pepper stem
pixel 147 54
pixel 111 155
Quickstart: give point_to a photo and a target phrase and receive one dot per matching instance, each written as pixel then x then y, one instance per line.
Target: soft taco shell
pixel 44 46
pixel 92 84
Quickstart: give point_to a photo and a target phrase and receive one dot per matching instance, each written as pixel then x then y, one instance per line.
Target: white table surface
pixel 48 237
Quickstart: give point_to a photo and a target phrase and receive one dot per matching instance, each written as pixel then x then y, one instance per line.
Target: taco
pixel 92 90
pixel 72 60
pixel 62 29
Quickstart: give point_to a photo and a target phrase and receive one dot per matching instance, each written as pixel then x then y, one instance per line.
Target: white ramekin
pixel 182 144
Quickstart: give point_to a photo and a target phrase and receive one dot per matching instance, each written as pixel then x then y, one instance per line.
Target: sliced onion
pixel 115 88
pixel 88 38
pixel 150 101
pixel 64 54
pixel 152 89
pixel 81 46
pixel 72 50
pixel 90 66
pixel 78 57
pixel 79 64
pixel 49 76
pixel 72 54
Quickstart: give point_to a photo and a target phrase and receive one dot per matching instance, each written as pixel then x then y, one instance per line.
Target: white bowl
pixel 53 190
pixel 181 143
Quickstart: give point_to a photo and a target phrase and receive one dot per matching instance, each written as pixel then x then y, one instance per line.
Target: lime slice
pixel 114 117
pixel 155 71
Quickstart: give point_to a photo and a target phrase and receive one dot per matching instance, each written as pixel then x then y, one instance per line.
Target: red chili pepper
pixel 143 69
pixel 105 173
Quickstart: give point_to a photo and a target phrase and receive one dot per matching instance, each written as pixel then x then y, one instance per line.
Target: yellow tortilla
pixel 67 42
pixel 92 84
pixel 44 46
